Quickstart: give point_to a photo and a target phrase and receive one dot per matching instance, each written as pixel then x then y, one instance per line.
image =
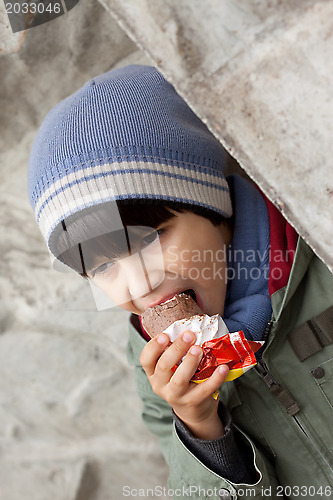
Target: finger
pixel 212 384
pixel 181 378
pixel 152 351
pixel 173 355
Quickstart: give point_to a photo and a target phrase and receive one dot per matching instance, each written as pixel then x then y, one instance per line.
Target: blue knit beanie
pixel 125 135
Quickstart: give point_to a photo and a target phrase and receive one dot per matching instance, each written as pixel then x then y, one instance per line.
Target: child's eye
pixel 103 269
pixel 152 237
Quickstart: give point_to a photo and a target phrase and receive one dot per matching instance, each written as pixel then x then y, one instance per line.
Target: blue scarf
pixel 248 304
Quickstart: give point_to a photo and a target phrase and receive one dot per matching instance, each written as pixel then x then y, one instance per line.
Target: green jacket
pixel 288 421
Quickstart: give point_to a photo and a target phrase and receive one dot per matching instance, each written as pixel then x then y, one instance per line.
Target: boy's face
pixel 189 254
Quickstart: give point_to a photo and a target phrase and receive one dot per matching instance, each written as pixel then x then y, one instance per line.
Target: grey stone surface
pixel 9 41
pixel 70 423
pixel 259 74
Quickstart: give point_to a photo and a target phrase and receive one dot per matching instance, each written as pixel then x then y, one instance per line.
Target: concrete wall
pixel 259 74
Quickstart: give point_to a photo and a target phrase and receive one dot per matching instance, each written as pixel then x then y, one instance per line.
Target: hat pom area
pixel 124 135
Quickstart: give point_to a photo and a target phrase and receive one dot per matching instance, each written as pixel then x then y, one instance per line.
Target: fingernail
pixel 223 369
pixel 162 339
pixel 196 350
pixel 187 337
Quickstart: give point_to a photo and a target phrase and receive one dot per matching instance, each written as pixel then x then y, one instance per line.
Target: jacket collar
pixel 281 298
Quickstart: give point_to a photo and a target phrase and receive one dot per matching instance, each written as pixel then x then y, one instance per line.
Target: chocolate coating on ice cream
pixel 157 318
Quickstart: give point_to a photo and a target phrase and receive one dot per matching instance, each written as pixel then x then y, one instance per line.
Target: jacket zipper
pixel 276 389
pixel 301 427
pixel 264 338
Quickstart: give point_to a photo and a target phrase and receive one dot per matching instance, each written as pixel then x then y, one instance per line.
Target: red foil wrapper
pixel 233 350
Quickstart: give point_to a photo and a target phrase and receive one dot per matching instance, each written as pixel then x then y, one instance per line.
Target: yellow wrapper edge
pixel 232 375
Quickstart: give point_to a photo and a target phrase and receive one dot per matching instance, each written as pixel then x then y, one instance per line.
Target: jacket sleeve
pixel 227 456
pixel 189 476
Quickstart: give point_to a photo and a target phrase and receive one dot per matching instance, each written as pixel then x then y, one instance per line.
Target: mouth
pixel 191 293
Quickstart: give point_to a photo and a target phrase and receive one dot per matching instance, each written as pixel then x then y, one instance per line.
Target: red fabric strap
pixel 283 241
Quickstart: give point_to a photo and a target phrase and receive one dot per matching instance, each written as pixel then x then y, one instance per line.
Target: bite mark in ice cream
pixel 157 318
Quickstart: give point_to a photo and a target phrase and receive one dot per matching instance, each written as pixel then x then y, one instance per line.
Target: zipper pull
pixel 262 369
pixel 279 392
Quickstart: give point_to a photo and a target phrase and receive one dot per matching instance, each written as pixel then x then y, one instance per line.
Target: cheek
pixel 197 253
pixel 212 267
pixel 116 292
pixel 214 274
pixel 171 254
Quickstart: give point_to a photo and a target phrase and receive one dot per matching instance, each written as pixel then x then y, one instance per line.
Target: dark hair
pixel 150 213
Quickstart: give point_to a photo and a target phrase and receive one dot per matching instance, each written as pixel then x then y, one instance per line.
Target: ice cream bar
pixel 157 318
pixel 182 313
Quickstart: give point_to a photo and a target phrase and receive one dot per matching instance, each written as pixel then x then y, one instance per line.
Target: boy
pixel 125 154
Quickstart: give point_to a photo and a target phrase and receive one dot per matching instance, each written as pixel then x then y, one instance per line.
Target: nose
pixel 141 276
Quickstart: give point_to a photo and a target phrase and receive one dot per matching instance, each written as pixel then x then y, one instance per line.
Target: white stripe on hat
pixel 94 185
pixel 108 170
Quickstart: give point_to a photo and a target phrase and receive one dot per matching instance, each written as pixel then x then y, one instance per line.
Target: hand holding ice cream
pixel 181 313
pixel 173 360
